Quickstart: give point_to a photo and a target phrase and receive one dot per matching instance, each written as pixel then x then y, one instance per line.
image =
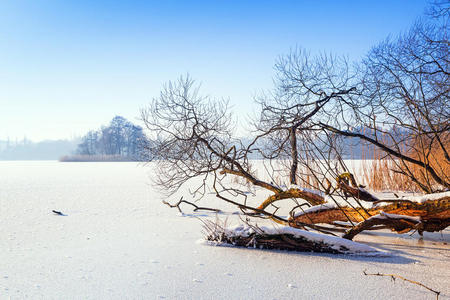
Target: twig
pixel 58 213
pixel 394 276
pixel 196 207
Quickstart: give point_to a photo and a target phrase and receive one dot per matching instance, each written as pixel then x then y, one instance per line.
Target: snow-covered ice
pixel 118 240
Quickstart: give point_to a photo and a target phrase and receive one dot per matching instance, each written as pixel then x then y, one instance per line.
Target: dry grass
pixel 381 173
pixel 435 157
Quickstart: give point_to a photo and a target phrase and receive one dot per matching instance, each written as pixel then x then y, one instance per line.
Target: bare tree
pixel 193 138
pixel 404 107
pixel 396 100
pixel 119 138
pixel 308 89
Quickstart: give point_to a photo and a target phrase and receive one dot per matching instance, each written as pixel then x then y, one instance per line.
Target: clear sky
pixel 69 66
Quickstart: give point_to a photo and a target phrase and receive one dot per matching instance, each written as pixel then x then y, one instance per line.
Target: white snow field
pixel 118 241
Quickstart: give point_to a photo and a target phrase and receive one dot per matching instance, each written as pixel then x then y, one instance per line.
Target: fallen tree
pixel 430 213
pixel 194 150
pixel 399 215
pixel 396 101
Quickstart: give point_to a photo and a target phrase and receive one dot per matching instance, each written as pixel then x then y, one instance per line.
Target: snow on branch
pixel 282 238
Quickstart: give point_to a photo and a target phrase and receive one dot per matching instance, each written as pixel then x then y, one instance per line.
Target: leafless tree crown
pixel 396 101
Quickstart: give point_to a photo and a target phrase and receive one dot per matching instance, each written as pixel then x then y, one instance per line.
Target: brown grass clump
pixel 433 154
pixel 382 173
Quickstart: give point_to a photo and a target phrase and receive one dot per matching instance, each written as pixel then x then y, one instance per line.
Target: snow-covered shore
pixel 118 241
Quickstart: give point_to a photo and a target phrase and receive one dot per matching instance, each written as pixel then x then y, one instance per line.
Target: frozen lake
pixel 118 241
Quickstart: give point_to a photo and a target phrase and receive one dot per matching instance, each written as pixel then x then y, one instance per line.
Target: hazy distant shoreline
pixel 96 158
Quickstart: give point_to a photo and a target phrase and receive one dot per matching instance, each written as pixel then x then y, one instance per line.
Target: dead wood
pixel 395 276
pixel 343 183
pixel 395 222
pixel 357 192
pixel 215 232
pixel 431 209
pixel 294 193
pixel 432 215
pixel 196 207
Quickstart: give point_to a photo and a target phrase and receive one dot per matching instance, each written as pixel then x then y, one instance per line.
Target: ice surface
pixel 118 239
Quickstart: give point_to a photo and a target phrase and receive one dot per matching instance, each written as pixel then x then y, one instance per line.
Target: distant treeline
pixel 121 140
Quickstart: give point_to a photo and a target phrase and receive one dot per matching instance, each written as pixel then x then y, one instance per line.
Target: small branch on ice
pixel 58 213
pixel 196 207
pixel 395 276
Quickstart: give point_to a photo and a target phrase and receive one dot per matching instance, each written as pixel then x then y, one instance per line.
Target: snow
pixel 316 208
pixel 424 198
pixel 335 242
pixel 384 215
pixel 303 189
pixel 118 241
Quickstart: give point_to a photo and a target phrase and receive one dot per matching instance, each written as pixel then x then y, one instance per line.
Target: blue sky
pixel 69 66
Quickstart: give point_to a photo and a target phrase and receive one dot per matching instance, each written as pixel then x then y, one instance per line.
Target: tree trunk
pixel 294 155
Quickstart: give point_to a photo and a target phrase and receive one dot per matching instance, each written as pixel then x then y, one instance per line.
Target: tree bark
pixel 294 155
pixel 433 215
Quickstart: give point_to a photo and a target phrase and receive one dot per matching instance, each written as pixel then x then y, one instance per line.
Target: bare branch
pixel 395 276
